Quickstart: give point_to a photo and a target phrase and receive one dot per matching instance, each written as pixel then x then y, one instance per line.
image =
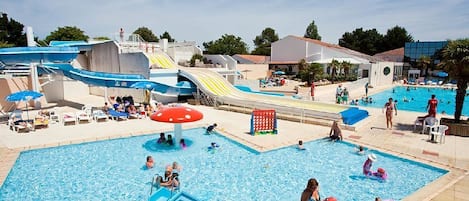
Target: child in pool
pixel 361 150
pixel 381 174
pixel 300 145
pixel 149 162
pixel 182 143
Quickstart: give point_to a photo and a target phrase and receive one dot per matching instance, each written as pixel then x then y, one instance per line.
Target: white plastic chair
pixel 99 115
pixel 440 131
pixel 69 118
pixel 82 116
pixel 430 123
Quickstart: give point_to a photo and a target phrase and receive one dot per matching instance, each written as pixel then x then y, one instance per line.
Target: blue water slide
pixel 117 80
pixel 15 55
pixel 58 58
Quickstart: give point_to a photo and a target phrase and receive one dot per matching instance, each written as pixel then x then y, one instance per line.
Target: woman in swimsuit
pixel 311 192
pixel 389 106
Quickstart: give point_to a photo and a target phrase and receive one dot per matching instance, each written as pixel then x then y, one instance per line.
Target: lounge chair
pixel 100 115
pixel 17 123
pixel 69 118
pixel 82 116
pixel 41 121
pixel 118 115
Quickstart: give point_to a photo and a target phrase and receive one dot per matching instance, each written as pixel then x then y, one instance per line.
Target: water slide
pixel 58 58
pixel 160 60
pixel 216 86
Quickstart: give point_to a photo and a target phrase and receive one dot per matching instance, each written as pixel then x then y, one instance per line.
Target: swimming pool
pixel 112 170
pixel 418 98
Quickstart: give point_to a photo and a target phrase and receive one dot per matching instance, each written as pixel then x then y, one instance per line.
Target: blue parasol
pixel 23 96
pixel 26 96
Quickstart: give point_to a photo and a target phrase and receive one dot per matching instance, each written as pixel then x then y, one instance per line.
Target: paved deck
pixel 402 141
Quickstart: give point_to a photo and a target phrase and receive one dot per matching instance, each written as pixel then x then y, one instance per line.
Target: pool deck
pixel 371 132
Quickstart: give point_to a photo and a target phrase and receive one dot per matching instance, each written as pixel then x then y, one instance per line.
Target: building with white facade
pixel 287 52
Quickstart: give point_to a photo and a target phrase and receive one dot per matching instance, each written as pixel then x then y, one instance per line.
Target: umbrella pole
pixel 27 111
pixel 177 132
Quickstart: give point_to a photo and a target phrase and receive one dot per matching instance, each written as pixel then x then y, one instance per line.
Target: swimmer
pixel 182 143
pixel 361 150
pixel 300 145
pixel 381 174
pixel 149 162
pixel 162 139
pixel 368 163
pixel 210 129
pixel 213 146
pixel 176 167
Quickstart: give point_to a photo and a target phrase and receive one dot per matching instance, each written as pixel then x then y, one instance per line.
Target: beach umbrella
pixel 26 96
pixel 177 115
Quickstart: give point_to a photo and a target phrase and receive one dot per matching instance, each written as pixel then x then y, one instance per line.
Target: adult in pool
pixel 311 192
pixel 368 163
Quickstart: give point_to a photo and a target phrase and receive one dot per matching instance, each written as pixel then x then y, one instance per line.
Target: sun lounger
pixel 20 125
pixel 118 115
pixel 99 115
pixel 82 116
pixel 41 122
pixel 69 118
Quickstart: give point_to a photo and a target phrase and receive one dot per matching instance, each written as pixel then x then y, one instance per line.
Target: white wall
pixel 377 77
pixel 288 49
pixel 54 91
pixel 164 76
pixel 134 63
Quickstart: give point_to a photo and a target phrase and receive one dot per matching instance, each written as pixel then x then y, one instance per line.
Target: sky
pixel 207 20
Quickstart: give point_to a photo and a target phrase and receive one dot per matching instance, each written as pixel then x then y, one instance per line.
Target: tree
pixel 11 32
pixel 66 33
pixel 227 44
pixel 312 31
pixel 146 34
pixel 423 63
pixel 335 65
pixel 101 38
pixel 263 42
pixel 456 63
pixel 194 58
pixel 396 37
pixel 167 36
pixel 310 72
pixel 346 66
pixel 368 41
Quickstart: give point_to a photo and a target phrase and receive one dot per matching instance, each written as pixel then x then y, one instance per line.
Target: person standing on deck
pixel 431 106
pixel 312 90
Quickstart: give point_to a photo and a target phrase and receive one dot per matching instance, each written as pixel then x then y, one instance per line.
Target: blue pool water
pixel 420 95
pixel 113 170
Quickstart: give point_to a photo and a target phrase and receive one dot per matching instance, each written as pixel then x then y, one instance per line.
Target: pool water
pixel 113 170
pixel 418 98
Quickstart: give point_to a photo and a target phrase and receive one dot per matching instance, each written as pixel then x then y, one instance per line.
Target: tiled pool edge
pixel 427 192
pixel 433 189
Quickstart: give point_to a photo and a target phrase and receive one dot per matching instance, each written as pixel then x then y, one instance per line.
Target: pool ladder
pixel 155 180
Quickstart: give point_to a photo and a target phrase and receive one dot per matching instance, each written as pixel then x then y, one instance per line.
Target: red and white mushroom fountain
pixel 177 115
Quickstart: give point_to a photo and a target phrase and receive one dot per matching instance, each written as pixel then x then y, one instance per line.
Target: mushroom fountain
pixel 177 115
